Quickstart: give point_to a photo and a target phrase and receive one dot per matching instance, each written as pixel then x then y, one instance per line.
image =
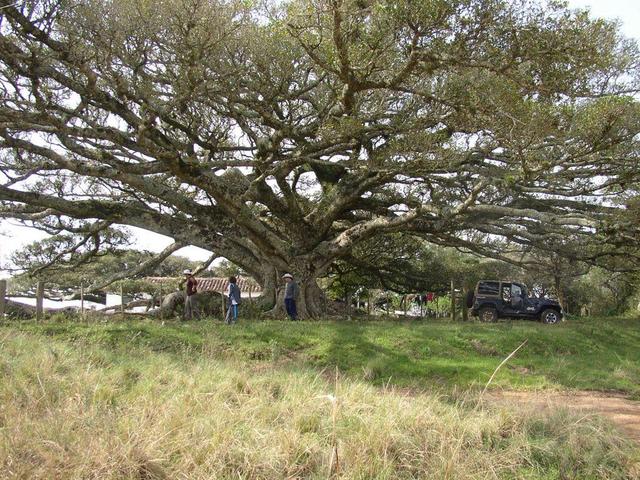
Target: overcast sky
pixel 12 236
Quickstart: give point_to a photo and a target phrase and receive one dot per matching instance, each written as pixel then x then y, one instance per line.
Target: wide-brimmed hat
pixel 187 272
pixel 287 275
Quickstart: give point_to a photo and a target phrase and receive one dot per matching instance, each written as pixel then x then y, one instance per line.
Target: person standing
pixel 191 288
pixel 291 293
pixel 233 300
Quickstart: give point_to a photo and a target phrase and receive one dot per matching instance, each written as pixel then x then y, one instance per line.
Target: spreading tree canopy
pixel 282 134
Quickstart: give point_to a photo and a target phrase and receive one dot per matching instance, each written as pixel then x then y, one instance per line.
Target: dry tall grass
pixel 75 411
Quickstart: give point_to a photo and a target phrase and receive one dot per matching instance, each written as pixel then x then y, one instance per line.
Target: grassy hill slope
pixel 137 400
pixel 597 353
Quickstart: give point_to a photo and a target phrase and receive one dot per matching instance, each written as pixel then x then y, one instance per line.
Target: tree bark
pixel 17 310
pixel 557 280
pixel 312 301
pixel 269 281
pixel 40 301
pixel 207 305
pixel 310 304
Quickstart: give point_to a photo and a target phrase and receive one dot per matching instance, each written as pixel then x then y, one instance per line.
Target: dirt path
pixel 620 410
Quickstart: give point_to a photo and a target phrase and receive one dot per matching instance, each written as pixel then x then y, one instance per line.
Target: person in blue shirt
pixel 233 301
pixel 291 293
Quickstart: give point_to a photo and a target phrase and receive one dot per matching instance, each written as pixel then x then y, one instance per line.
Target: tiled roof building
pixel 217 284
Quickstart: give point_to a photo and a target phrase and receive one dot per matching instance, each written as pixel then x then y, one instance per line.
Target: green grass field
pixel 271 400
pixel 596 353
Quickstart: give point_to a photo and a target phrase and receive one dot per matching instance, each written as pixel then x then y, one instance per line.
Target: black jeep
pixel 493 299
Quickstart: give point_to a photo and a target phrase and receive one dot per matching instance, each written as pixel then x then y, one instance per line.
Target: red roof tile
pixel 216 284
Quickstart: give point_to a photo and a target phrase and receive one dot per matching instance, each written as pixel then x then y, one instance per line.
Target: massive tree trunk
pixel 311 303
pixel 268 280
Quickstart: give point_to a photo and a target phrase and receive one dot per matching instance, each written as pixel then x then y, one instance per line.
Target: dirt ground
pixel 620 410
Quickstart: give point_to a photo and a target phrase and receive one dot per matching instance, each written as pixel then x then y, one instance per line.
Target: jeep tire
pixel 549 316
pixel 488 314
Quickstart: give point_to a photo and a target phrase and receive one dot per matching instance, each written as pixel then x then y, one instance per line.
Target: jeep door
pixel 529 306
pixel 512 295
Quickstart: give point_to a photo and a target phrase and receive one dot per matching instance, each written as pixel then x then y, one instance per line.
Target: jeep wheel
pixel 550 316
pixel 488 315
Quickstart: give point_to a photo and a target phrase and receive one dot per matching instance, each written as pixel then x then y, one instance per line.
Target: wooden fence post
pixel 40 301
pixel 453 301
pixel 465 309
pixel 160 305
pixel 82 301
pixel 122 300
pixel 3 300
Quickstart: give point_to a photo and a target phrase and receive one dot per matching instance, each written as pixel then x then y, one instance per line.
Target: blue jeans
pixel 290 305
pixel 232 314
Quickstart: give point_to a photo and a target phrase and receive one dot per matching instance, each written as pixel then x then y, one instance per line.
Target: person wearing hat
pixel 291 293
pixel 191 289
